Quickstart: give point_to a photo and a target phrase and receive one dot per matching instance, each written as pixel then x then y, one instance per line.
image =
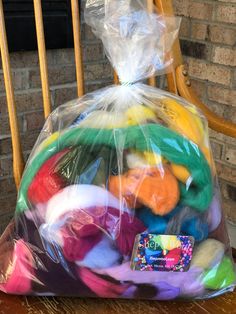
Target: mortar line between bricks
pixel 220 142
pixel 55 87
pixel 194 40
pixel 212 23
pixel 37 89
pixel 206 42
pixel 214 11
pixel 213 2
pixel 191 27
pixel 6 177
pixel 223 143
pixel 211 53
pixel 223 88
pixel 90 82
pixel 68 85
pixel 90 42
pixel 222 162
pixel 206 81
pixel 17 70
pixel 217 44
pixel 36 67
pixel 232 78
pixel 225 4
pixel 7 213
pixel 203 1
pixel 6 157
pixel 213 102
pixel 228 182
pixel 96 62
pixel 23 113
pixel 22 92
pixel 7 196
pixel 4 136
pixel 211 62
pixel 56 66
pixel 212 84
pixel 223 153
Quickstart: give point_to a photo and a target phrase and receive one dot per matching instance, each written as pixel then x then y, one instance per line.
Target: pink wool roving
pixel 102 288
pixel 21 272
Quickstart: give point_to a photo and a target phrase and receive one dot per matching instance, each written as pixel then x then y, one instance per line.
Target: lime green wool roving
pixel 221 276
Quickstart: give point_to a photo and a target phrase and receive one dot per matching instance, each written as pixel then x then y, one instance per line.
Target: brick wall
pixel 208 40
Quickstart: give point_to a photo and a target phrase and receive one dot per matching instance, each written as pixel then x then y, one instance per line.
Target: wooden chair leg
pixel 77 45
pixel 42 57
pixel 18 161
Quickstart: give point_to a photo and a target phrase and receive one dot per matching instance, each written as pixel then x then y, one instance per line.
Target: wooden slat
pixel 42 57
pixel 165 7
pixel 77 45
pixel 151 80
pixel 116 78
pixel 18 162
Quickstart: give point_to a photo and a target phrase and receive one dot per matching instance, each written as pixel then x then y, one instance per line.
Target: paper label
pixel 162 252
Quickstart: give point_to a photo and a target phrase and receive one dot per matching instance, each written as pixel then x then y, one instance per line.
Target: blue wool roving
pixel 102 255
pixel 187 221
pixel 154 223
pixel 181 221
pixel 196 228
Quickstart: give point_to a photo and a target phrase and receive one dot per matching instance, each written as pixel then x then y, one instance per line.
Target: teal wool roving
pixel 154 223
pixel 181 220
pixel 150 137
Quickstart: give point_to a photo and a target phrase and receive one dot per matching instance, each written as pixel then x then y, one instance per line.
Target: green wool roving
pixel 220 276
pixel 149 137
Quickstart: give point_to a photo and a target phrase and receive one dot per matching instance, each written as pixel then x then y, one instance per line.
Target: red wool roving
pixel 47 181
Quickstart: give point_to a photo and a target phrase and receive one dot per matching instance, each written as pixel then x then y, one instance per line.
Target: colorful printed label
pixel 162 252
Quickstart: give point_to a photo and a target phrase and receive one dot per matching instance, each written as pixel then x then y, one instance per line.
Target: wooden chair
pixel 179 83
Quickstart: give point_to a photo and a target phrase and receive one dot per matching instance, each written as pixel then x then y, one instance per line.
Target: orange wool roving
pixel 153 187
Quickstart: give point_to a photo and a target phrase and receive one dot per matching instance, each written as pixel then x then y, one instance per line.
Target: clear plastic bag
pixel 119 197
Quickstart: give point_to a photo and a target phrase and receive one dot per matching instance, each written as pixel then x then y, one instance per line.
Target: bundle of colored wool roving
pixel 119 197
pixel 74 227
